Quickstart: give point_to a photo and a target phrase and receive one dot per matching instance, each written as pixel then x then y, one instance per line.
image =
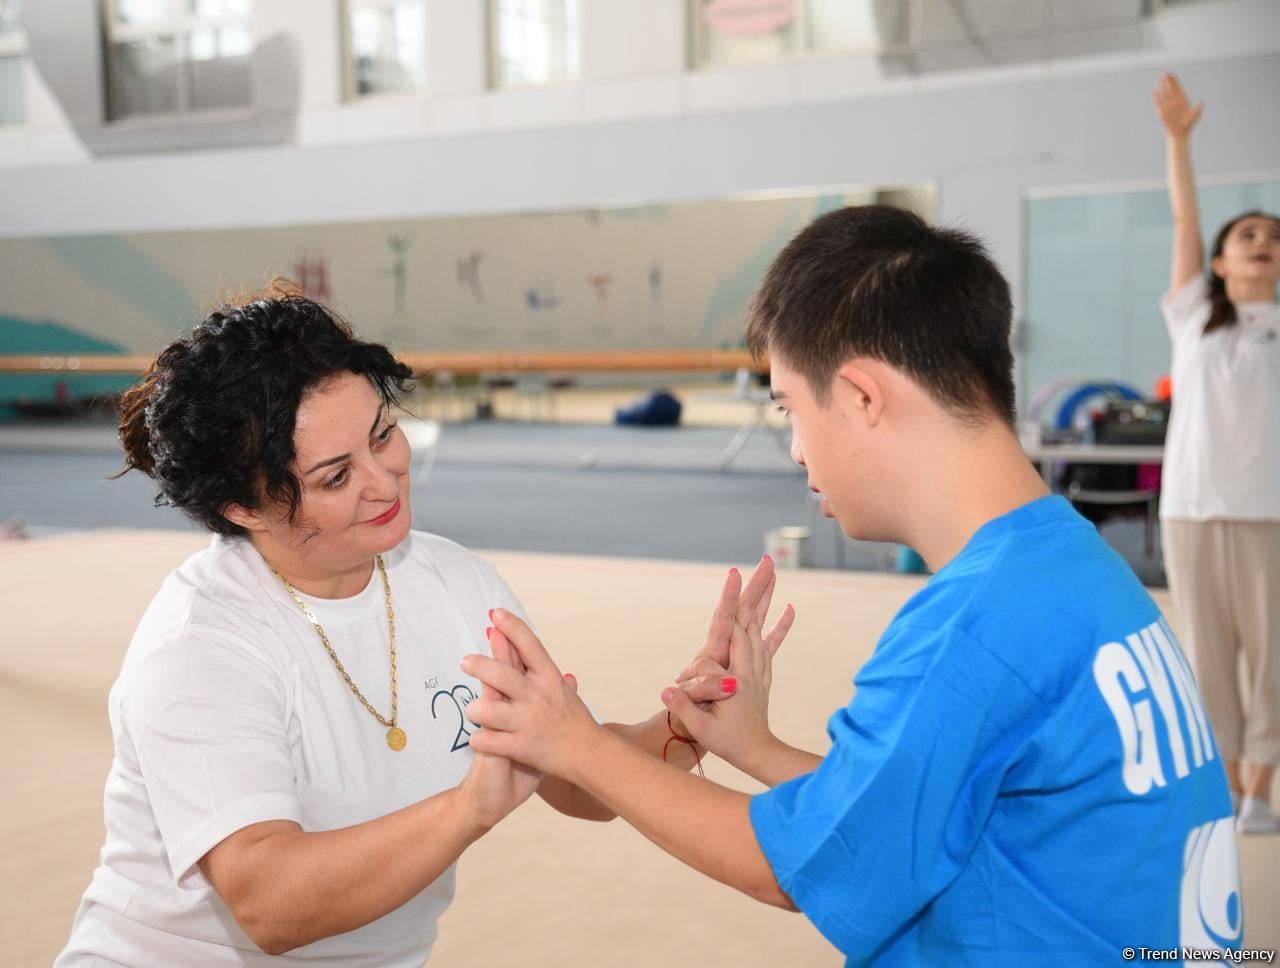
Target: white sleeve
pixel 1186 310
pixel 209 720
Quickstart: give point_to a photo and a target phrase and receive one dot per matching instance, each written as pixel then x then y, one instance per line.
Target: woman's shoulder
pixel 218 584
pixel 1188 306
pixel 434 552
pixel 213 599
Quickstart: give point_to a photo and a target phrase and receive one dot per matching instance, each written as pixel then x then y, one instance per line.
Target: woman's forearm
pixel 1187 260
pixel 1182 182
pixel 313 885
pixel 652 736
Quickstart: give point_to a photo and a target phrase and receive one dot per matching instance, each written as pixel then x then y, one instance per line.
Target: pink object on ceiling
pixel 749 18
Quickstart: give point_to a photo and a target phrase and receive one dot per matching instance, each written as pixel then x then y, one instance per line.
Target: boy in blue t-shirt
pixel 1025 774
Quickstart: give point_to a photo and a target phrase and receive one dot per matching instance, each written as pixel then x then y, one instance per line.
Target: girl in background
pixel 1220 505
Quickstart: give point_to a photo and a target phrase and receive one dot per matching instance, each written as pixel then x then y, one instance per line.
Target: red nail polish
pixel 488 633
pixel 490 615
pixel 729 684
pixel 570 675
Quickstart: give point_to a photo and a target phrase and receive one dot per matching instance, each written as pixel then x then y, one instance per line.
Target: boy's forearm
pixel 776 762
pixel 698 822
pixel 649 736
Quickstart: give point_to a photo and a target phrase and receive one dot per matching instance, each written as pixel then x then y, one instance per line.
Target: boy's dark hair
pixel 877 281
pixel 212 420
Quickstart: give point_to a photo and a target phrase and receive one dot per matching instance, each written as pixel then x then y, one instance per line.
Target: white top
pixel 228 711
pixel 1222 455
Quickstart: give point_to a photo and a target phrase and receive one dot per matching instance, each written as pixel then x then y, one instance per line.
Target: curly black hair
pixel 212 420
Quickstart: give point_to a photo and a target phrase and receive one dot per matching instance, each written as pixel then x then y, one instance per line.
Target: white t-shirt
pixel 228 711
pixel 1222 455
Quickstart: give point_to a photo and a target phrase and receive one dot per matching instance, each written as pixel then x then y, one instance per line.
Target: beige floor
pixel 541 889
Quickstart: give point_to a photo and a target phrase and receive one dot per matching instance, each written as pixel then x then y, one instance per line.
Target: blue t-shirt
pixel 1025 774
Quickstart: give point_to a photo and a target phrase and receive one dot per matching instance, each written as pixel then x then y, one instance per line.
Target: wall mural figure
pixel 399 271
pixel 541 296
pixel 655 296
pixel 468 274
pixel 600 282
pixel 311 272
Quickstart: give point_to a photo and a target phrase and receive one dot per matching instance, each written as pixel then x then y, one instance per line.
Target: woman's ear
pixel 243 517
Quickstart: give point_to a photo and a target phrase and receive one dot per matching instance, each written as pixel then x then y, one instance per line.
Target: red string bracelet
pixel 676 737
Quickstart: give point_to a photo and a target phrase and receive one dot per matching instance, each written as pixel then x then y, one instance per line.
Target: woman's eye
pixel 386 434
pixel 337 480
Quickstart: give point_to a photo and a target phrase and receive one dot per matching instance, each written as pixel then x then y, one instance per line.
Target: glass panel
pixel 1109 326
pixel 389 48
pixel 857 24
pixel 143 11
pixel 219 8
pixel 13 91
pixel 142 77
pixel 538 42
pixel 219 68
pixel 743 31
pixel 10 11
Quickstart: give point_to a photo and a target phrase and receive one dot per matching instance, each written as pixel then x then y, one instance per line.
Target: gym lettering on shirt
pixel 1138 679
pixel 1148 667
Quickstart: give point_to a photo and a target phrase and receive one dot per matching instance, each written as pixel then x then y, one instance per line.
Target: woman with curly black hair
pixel 292 769
pixel 1220 504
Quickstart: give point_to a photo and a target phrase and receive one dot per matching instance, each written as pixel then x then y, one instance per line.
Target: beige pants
pixel 1224 577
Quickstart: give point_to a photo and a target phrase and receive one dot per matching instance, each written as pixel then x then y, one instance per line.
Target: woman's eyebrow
pixel 341 457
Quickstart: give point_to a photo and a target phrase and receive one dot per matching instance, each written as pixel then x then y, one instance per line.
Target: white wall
pixel 641 127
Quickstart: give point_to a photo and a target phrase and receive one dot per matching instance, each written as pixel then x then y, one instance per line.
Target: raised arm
pixel 1178 117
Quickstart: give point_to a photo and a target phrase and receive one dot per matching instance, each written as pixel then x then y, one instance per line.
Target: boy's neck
pixel 960 484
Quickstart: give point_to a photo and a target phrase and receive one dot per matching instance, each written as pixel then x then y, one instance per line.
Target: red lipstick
pixel 388 517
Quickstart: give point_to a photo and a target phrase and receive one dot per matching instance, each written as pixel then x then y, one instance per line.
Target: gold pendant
pixel 396 738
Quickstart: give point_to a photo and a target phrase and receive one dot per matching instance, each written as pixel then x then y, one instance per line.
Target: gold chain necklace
pixel 396 738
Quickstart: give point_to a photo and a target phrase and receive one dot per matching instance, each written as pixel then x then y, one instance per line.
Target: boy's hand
pixel 494 785
pixel 537 719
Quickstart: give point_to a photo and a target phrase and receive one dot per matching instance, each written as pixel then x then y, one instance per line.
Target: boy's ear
pixel 861 390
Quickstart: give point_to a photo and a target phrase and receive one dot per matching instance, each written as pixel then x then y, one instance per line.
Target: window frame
pixel 347 51
pixel 493 43
pixel 178 27
pixel 14 46
pixel 803 46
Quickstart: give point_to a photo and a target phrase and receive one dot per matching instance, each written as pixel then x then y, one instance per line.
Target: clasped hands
pixel 531 714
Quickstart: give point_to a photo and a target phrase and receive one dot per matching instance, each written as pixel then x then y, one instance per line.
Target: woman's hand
pixel 534 717
pixel 494 785
pixel 1175 109
pixel 738 730
pixel 738 605
pixel 707 679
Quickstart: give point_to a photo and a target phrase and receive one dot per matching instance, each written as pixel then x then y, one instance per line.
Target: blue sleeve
pixel 866 841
